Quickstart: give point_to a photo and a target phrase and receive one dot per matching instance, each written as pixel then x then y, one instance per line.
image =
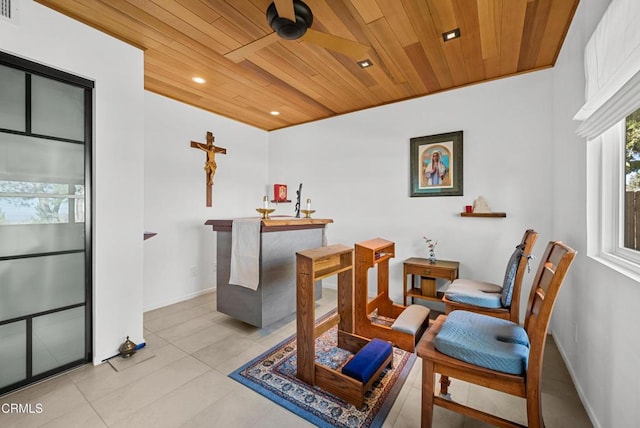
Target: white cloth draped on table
pixel 245 252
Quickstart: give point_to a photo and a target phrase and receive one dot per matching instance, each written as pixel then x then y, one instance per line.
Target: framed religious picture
pixel 436 165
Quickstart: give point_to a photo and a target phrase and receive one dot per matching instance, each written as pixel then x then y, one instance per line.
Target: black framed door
pixel 45 229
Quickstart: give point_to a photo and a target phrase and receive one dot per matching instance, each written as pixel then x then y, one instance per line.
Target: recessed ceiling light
pixel 198 80
pixel 365 63
pixel 450 35
pixel 274 113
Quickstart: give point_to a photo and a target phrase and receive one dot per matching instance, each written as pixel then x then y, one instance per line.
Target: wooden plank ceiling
pixel 307 82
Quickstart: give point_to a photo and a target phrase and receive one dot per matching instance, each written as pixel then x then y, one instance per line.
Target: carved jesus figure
pixel 211 150
pixel 210 165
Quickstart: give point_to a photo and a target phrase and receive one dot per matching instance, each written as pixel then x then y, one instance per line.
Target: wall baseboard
pixel 178 300
pixel 585 403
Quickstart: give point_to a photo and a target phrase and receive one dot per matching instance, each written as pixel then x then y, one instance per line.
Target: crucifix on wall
pixel 210 165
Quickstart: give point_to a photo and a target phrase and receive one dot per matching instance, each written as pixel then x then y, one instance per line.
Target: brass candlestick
pixel 307 213
pixel 265 212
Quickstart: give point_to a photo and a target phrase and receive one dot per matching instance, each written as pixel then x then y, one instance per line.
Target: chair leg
pixel 428 381
pixel 444 386
pixel 534 407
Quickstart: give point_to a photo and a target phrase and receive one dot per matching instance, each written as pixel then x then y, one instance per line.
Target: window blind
pixel 612 69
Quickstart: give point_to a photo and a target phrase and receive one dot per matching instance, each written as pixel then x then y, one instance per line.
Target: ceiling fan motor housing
pixel 286 28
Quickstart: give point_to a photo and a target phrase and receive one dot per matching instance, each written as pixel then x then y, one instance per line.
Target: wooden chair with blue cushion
pixel 500 301
pixel 492 352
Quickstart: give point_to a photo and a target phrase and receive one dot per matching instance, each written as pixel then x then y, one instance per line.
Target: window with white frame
pixel 611 126
pixel 614 184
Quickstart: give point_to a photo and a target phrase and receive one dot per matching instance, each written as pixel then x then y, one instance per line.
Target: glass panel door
pixel 45 233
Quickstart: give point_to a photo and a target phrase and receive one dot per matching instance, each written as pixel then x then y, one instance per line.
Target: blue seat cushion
pixel 476 293
pixel 368 360
pixel 510 276
pixel 484 341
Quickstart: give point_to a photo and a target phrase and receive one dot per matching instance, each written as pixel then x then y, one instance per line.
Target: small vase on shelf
pixel 432 257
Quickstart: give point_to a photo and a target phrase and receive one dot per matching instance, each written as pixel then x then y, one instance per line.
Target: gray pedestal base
pixel 275 297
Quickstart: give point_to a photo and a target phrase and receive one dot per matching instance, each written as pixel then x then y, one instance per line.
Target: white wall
pixel 179 262
pixel 355 168
pixel 596 314
pixel 47 37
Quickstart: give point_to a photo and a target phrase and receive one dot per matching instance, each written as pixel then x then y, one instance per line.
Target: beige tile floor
pixel 185 383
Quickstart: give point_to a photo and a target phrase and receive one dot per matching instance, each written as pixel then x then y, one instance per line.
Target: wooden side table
pixel 428 273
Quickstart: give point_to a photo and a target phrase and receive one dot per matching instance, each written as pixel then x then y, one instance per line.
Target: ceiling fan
pixel 291 20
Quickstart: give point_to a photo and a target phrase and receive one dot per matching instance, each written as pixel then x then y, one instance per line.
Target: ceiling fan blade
pixel 339 44
pixel 285 9
pixel 242 52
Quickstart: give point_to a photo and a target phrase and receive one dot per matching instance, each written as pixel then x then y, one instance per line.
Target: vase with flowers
pixel 431 247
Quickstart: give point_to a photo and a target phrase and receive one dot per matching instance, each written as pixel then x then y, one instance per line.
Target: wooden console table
pixel 428 273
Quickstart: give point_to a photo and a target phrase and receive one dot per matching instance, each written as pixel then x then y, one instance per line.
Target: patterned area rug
pixel 273 374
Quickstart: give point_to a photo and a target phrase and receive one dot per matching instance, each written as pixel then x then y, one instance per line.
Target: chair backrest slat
pixel 551 273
